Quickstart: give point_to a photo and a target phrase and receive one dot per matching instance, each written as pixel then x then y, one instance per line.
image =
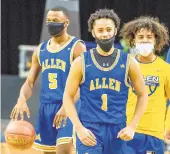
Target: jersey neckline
pixel 60 48
pixel 103 68
pixel 146 62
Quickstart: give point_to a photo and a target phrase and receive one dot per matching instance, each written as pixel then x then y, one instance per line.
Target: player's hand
pixel 86 136
pixel 19 110
pixel 60 118
pixel 167 136
pixel 126 133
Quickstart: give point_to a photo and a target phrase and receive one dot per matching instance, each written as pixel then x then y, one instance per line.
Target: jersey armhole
pixel 127 70
pixel 72 50
pixel 38 53
pixel 83 68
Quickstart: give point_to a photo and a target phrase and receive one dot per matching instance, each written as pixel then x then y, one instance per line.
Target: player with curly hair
pixel 102 75
pixel 149 36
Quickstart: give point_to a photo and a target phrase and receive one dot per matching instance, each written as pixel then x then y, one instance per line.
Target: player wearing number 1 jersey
pixel 102 75
pixel 53 58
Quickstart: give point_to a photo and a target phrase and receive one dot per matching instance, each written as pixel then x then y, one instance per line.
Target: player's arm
pixel 72 85
pixel 142 99
pixel 139 86
pixel 78 49
pixel 26 89
pixel 61 115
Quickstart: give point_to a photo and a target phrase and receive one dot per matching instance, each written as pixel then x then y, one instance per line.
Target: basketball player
pixel 53 58
pixel 102 75
pixel 149 36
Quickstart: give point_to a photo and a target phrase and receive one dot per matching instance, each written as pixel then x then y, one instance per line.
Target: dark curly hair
pixel 103 13
pixel 160 31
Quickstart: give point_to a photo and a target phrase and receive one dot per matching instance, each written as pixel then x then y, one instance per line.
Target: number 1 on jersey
pixel 52 77
pixel 104 100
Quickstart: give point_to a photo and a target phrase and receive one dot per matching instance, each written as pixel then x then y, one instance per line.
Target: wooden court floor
pixel 6 150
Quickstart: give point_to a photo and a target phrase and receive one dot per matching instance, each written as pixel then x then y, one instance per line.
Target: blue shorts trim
pixel 42 147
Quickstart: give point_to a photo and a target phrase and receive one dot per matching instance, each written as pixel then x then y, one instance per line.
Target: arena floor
pixel 8 150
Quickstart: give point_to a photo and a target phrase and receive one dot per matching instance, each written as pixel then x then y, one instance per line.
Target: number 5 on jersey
pixel 52 77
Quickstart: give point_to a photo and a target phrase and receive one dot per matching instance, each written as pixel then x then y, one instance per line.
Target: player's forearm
pixel 26 91
pixel 69 106
pixel 139 110
pixel 77 96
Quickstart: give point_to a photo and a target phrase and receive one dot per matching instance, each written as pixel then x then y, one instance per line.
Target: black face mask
pixel 106 44
pixel 55 28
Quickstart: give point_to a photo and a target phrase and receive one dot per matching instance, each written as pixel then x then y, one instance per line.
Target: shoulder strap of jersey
pixel 127 70
pixel 41 48
pixel 76 40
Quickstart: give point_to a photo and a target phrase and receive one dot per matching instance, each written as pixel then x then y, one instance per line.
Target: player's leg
pixel 66 148
pixel 64 138
pixel 45 132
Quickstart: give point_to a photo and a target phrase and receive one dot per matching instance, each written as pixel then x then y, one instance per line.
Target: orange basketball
pixel 20 134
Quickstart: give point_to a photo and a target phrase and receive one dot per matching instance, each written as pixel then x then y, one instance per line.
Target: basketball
pixel 20 134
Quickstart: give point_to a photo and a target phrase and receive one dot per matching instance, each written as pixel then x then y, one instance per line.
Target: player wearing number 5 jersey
pixel 102 75
pixel 53 58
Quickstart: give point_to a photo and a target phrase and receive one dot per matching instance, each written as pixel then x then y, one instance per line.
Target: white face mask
pixel 144 49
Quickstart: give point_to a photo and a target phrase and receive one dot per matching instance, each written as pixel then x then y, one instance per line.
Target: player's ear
pixel 133 44
pixel 67 23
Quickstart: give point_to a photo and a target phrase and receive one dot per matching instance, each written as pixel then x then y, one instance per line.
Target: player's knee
pixel 64 149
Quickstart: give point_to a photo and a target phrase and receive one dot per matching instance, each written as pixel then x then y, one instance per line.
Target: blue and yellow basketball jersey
pixel 55 68
pixel 104 91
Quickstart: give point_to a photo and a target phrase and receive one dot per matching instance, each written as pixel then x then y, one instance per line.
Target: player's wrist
pixel 62 108
pixel 132 125
pixel 78 127
pixel 21 99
